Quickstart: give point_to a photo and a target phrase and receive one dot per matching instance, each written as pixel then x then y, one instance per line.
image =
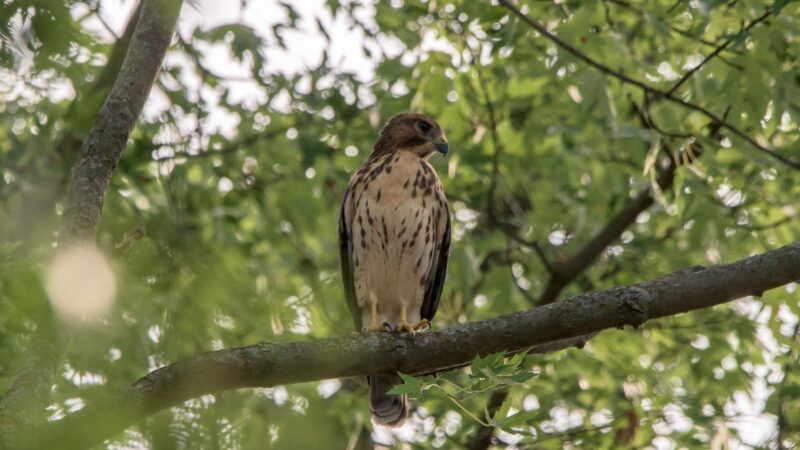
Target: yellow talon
pixel 376 326
pixel 422 325
pixel 403 325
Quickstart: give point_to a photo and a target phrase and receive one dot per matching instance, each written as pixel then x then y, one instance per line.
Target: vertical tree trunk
pixel 23 405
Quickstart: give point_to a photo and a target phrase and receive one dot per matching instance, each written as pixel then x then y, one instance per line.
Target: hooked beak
pixel 441 146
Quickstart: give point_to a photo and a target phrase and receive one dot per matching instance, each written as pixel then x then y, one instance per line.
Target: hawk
pixel 394 242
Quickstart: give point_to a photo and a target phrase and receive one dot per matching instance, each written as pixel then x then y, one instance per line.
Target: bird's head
pixel 411 132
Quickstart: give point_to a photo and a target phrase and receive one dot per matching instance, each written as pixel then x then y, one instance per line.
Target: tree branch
pixel 562 274
pixel 685 33
pixel 30 388
pixel 50 184
pixel 646 87
pixel 716 52
pixel 103 147
pixel 270 364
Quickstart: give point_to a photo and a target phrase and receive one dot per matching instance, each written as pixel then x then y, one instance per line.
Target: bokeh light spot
pixel 80 283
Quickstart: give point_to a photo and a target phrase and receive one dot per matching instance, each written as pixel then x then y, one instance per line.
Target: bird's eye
pixel 424 126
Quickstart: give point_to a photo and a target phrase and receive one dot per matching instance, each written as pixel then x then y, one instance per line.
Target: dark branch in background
pixel 563 273
pixel 508 229
pixel 270 364
pixel 717 51
pixel 657 93
pixel 30 388
pixel 103 147
pixel 685 33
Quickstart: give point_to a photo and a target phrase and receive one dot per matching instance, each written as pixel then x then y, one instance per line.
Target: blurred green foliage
pixel 240 241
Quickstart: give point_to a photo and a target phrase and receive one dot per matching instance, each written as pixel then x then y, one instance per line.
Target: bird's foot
pixel 378 328
pixel 404 327
pixel 422 325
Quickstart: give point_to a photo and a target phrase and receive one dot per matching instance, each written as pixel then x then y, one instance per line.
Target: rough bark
pixel 46 186
pixel 544 328
pixel 23 403
pixel 108 137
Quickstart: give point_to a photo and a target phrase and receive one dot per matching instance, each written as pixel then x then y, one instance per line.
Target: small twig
pixel 564 273
pixel 460 406
pixel 103 22
pixel 232 147
pixel 646 87
pixel 769 226
pixel 716 52
pixel 685 33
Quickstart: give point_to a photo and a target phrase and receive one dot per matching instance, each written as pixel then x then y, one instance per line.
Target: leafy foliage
pixel 220 220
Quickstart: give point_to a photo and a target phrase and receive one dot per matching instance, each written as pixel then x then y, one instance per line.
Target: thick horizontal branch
pixel 545 328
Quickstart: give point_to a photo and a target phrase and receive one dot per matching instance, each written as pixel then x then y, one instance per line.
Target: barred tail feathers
pixel 386 409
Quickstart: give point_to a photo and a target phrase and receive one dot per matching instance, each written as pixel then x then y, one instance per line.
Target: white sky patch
pixel 693 61
pixel 601 417
pixel 730 197
pixel 574 93
pixel 82 378
pixel 225 185
pixel 74 404
pixel 351 151
pixel 114 354
pixel 468 217
pixel 558 237
pixel 452 422
pixel 154 333
pixel 224 321
pixel 665 70
pixel 383 436
pixel 530 403
pixel 279 394
pixel 326 388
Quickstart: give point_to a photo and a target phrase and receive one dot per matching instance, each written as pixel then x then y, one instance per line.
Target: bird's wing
pixel 438 269
pixel 346 259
